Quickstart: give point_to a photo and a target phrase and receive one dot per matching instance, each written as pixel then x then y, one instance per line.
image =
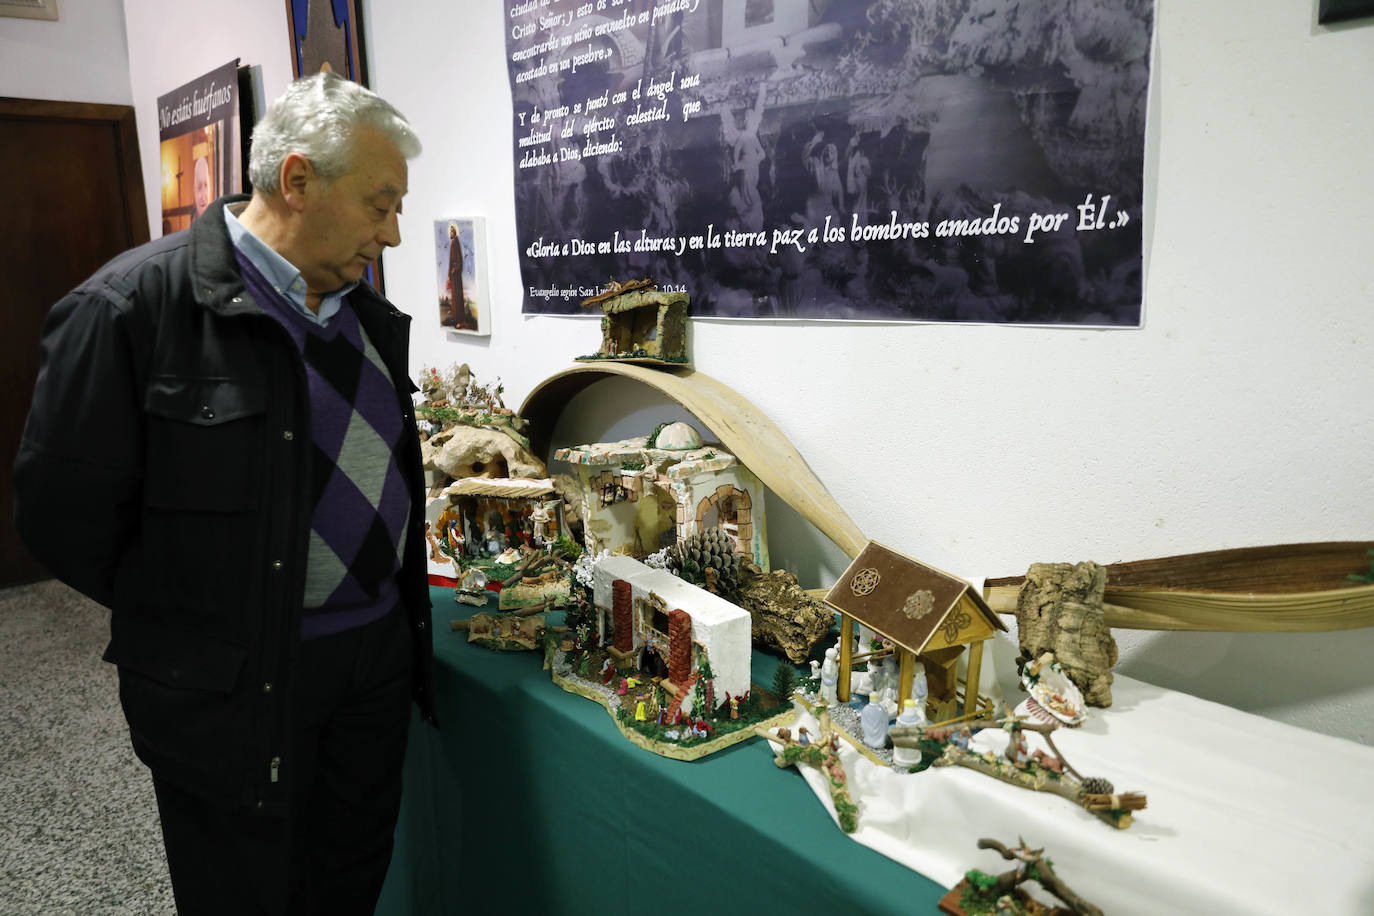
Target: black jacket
pixel 165 472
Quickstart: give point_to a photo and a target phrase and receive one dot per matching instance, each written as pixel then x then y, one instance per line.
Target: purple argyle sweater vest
pixel 361 507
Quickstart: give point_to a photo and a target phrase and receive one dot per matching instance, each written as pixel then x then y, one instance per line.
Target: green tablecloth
pixel 528 799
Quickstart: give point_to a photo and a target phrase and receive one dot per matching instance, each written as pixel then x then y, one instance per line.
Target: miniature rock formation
pixel 1059 610
pixel 784 616
pixel 471 451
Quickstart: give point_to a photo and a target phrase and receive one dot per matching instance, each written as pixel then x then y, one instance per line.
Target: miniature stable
pixel 928 617
pixel 639 323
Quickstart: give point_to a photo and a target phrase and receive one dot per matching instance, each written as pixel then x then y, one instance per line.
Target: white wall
pixel 1239 415
pixel 80 57
pixel 171 42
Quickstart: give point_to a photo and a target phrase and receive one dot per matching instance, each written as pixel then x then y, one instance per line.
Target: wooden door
pixel 72 190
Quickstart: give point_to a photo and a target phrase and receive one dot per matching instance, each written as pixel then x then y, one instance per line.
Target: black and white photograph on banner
pixel 200 145
pixel 873 160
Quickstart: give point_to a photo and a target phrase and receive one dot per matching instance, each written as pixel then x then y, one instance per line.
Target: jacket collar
pixel 214 270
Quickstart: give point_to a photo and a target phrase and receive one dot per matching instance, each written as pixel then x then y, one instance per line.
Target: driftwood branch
pixel 1033 861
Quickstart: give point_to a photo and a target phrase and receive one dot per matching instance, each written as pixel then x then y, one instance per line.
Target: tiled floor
pixel 81 832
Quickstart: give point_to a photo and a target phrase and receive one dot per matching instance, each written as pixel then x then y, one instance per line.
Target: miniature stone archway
pixel 729 508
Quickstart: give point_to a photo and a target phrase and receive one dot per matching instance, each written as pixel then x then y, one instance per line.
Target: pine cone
pixel 690 557
pixel 1096 785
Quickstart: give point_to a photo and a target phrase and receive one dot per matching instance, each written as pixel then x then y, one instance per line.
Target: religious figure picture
pixel 460 263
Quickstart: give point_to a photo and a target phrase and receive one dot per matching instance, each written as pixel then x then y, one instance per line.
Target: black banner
pixel 891 160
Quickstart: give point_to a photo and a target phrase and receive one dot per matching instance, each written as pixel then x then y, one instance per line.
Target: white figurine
pixel 874 719
pixel 830 678
pixel 911 717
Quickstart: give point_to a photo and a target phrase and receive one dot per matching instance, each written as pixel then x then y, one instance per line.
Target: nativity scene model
pixel 668 660
pixel 640 323
pixel 493 516
pixel 923 617
pixel 677 590
pixel 655 550
pixel 643 494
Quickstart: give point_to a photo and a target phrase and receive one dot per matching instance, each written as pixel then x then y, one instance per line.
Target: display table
pixel 528 799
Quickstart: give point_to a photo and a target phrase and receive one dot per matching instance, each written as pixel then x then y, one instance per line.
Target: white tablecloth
pixel 1245 815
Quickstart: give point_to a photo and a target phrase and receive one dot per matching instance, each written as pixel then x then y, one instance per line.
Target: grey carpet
pixel 81 832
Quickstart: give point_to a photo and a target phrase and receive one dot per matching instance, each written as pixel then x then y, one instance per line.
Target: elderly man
pixel 222 450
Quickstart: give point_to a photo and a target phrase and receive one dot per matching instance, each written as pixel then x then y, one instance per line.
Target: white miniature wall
pixel 1238 415
pixel 722 628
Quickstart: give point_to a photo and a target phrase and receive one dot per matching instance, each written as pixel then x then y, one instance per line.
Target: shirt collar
pixel 281 273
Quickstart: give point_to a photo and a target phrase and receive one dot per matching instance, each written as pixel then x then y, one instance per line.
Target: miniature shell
pixel 1057 695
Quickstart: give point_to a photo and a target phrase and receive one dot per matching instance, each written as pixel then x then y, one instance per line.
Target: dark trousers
pixel 350 715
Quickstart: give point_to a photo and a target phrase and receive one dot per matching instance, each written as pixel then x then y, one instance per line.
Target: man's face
pixel 348 221
pixel 203 193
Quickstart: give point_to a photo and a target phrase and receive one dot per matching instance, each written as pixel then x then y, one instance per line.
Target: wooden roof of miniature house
pixel 502 487
pixel 629 297
pixel 915 605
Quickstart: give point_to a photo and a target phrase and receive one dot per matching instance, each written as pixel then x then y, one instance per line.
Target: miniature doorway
pixel 630 330
pixel 665 527
pixel 728 509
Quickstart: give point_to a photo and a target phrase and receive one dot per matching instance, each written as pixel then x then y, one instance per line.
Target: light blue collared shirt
pixel 281 273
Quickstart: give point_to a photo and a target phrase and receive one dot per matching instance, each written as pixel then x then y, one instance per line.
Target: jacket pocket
pixel 183 695
pixel 174 657
pixel 204 439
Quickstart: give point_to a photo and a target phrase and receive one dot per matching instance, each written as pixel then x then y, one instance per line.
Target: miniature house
pixel 929 615
pixel 637 605
pixel 640 323
pixel 638 498
pixel 482 516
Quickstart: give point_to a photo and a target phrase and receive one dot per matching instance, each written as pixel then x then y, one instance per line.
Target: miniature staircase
pixel 682 692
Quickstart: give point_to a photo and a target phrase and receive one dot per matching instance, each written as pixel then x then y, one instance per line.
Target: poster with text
pixel 198 129
pixel 881 160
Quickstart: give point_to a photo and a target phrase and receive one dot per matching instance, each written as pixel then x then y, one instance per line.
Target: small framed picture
pixel 326 35
pixel 1329 11
pixel 29 9
pixel 460 260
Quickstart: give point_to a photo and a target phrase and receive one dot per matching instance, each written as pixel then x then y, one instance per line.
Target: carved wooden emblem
pixel 918 604
pixel 954 623
pixel 864 581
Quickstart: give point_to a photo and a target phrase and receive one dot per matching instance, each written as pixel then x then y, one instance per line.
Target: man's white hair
pixel 317 117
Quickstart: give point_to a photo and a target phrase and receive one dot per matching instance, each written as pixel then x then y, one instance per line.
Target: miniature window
pixel 653 616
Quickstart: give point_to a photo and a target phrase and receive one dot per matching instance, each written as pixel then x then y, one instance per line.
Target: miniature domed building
pixel 677 437
pixel 639 497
